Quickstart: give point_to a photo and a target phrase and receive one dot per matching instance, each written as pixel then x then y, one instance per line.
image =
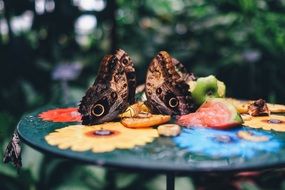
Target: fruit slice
pixel 240 105
pixel 221 89
pixel 207 87
pixel 276 108
pixel 168 130
pixel 134 110
pixel 144 122
pixel 214 113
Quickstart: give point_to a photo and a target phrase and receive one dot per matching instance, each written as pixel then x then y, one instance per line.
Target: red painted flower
pixel 61 115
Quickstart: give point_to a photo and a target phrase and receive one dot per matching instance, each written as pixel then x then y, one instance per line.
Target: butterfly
pixel 112 92
pixel 166 87
pixel 13 151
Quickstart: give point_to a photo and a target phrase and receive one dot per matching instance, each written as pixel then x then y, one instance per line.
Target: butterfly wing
pixel 128 65
pixel 13 151
pixel 166 91
pixel 108 96
pixel 182 71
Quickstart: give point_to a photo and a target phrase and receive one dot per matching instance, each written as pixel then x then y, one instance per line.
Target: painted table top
pixel 194 150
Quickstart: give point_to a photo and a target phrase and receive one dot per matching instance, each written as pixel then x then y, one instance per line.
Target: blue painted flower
pixel 226 143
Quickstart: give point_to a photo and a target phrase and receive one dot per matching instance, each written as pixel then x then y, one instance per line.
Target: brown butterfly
pixel 166 89
pixel 13 151
pixel 112 91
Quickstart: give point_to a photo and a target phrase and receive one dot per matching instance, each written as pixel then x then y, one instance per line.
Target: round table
pixel 162 155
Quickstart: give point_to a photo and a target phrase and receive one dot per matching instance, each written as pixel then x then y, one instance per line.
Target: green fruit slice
pixel 221 89
pixel 214 113
pixel 206 87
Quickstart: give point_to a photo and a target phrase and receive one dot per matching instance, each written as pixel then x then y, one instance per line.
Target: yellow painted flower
pixel 100 138
pixel 272 122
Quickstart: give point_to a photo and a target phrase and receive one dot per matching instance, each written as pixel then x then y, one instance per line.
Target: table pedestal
pixel 170 181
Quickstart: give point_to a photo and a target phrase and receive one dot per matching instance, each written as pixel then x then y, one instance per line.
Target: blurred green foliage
pixel 242 42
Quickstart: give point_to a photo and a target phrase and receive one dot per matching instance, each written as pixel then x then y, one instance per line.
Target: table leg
pixel 170 181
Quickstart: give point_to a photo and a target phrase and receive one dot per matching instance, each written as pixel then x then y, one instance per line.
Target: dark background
pixel 50 52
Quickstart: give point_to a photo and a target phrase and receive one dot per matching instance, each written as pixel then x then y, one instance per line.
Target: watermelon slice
pixel 213 113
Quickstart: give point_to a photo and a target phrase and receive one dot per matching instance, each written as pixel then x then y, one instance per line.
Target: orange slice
pixel 144 122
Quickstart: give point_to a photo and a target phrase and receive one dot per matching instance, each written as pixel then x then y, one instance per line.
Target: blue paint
pixel 225 143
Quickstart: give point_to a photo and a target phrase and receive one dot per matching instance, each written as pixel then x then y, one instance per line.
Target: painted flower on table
pixel 61 115
pixel 100 138
pixel 272 122
pixel 227 143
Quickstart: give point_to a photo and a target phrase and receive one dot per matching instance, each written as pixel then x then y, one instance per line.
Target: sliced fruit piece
pixel 240 105
pixel 246 117
pixel 134 110
pixel 214 113
pixel 221 89
pixel 206 87
pixel 276 108
pixel 168 130
pixel 144 122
